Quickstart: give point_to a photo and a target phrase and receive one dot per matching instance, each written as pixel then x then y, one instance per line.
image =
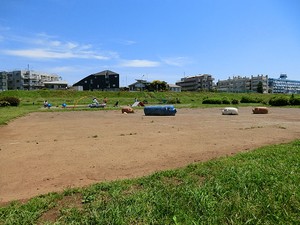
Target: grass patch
pixel 257 187
pixel 11 112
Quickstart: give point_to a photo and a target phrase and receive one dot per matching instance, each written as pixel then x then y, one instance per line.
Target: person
pixel 95 101
pixel 105 100
pixel 116 104
pixel 46 104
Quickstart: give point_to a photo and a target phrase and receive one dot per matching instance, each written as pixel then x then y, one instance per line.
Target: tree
pixel 260 87
pixel 157 85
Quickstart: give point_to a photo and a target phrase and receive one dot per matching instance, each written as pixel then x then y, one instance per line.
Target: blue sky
pixel 151 39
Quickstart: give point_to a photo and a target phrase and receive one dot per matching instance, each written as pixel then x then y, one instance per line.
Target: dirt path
pixel 45 152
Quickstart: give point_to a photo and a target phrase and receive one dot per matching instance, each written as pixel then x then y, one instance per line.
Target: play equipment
pixel 76 102
pixel 127 110
pixel 94 104
pixel 160 110
pixel 260 110
pixel 135 104
pixel 230 111
pixel 97 105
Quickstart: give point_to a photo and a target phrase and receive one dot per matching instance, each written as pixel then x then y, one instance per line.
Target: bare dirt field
pixel 45 152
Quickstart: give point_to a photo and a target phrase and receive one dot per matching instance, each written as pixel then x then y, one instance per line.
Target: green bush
pixel 225 101
pixel 13 101
pixel 173 101
pixel 279 101
pixel 212 101
pixel 235 101
pixel 248 99
pixel 4 103
pixel 294 101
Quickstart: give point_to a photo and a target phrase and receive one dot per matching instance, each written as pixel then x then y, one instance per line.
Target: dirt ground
pixel 46 152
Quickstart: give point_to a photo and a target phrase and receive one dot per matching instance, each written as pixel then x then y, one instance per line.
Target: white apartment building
pixel 243 84
pixel 196 83
pixel 31 80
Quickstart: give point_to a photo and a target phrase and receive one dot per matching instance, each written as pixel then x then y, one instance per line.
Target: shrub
pixel 225 101
pixel 294 101
pixel 248 99
pixel 212 101
pixel 4 103
pixel 172 101
pixel 265 102
pixel 279 101
pixel 235 101
pixel 13 101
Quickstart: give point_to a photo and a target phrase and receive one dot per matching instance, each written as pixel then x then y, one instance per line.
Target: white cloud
pixel 176 61
pixel 123 41
pixel 55 43
pixel 71 45
pixel 128 42
pixel 52 54
pixel 38 53
pixel 45 36
pixel 63 69
pixel 44 46
pixel 140 63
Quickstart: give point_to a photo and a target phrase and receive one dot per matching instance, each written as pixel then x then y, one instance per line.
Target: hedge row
pixel 283 101
pixel 275 101
pixel 219 101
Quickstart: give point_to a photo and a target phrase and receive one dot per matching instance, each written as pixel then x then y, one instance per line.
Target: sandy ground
pixel 45 152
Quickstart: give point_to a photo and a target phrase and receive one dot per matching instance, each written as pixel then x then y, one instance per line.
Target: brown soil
pixel 46 152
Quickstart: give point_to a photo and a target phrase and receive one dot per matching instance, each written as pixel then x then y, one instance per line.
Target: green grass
pixel 9 113
pixel 257 187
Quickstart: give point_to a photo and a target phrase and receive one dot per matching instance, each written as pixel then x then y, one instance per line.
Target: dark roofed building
pixel 104 81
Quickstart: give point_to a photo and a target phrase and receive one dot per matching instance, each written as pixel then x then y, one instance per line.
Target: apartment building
pixel 264 80
pixel 196 83
pixel 243 84
pixel 283 85
pixel 3 81
pixel 234 84
pixel 31 80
